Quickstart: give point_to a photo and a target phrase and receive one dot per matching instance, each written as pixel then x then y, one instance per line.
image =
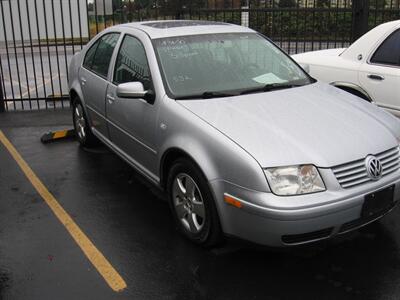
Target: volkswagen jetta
pixel 243 141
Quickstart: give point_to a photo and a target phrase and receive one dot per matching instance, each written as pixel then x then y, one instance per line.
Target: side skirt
pixel 155 180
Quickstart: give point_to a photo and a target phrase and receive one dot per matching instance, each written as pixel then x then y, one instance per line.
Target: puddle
pixel 4 282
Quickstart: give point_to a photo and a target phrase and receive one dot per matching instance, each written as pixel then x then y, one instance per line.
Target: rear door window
pixel 99 62
pixel 388 52
pixel 87 63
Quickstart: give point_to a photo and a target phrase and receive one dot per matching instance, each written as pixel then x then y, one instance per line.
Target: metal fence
pixel 39 37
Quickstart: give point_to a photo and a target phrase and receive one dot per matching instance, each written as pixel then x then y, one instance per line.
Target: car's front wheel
pixel 192 204
pixel 81 125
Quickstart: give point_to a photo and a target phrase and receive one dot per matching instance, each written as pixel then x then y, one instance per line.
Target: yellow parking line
pixel 110 275
pixel 39 86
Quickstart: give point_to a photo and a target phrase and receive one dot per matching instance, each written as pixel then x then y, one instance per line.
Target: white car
pixel 369 68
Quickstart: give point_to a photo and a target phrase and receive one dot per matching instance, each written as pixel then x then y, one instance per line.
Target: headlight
pixel 294 180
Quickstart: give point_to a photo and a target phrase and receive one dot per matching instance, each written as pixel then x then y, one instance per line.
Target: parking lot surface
pixel 128 222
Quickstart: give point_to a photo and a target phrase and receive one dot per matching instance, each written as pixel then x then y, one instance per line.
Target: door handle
pixel 376 77
pixel 110 98
pixel 83 80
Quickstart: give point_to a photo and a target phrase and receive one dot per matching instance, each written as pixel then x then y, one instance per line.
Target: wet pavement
pixel 128 221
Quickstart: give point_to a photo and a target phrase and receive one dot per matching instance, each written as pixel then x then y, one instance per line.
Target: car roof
pixel 365 44
pixel 170 28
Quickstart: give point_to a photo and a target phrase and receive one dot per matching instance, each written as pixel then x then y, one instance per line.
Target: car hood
pixel 316 124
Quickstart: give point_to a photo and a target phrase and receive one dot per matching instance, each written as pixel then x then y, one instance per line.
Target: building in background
pixel 43 19
pixel 103 7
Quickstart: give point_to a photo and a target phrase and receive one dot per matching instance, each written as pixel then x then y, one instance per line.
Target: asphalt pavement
pixel 129 223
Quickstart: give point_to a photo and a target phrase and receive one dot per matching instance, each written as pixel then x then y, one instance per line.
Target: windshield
pixel 224 64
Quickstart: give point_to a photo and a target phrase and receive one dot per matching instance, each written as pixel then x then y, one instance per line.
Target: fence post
pixel 178 11
pixel 360 17
pixel 2 102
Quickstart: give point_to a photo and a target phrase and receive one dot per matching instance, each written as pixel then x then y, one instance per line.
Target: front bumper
pixel 277 221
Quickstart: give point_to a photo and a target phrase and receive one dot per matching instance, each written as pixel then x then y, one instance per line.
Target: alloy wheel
pixel 188 203
pixel 80 122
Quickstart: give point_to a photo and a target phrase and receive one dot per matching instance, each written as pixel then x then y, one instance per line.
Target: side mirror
pixel 135 90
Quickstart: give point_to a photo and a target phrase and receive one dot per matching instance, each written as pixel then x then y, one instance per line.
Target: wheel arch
pixel 72 95
pixel 353 89
pixel 75 91
pixel 167 160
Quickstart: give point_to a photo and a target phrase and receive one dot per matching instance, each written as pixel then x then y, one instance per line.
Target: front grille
pixel 355 173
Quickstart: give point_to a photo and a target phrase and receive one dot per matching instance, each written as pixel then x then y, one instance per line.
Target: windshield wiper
pixel 269 87
pixel 206 95
pixel 265 88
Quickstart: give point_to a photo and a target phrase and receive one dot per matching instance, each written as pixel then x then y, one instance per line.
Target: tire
pixel 83 132
pixel 194 211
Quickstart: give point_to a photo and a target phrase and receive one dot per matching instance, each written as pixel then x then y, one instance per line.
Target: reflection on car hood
pixel 316 124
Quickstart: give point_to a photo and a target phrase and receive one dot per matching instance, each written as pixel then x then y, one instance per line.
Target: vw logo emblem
pixel 374 167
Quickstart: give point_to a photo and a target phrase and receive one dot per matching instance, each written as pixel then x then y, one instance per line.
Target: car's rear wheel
pixel 81 125
pixel 192 204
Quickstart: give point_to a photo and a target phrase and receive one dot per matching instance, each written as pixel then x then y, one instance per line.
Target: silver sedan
pixel 242 140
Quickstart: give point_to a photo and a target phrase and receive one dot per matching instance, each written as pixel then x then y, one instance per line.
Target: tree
pixel 379 4
pixel 323 3
pixel 287 3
